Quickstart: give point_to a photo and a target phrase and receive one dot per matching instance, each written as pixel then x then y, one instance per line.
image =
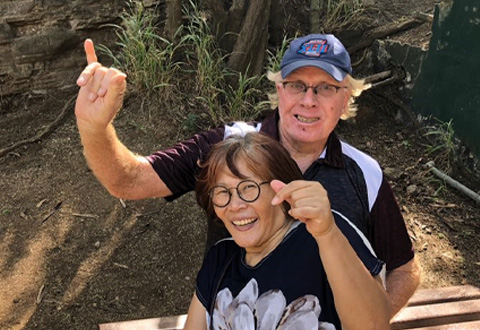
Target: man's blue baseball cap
pixel 323 51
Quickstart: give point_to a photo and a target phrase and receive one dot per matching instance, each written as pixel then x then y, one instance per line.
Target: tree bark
pixel 277 21
pixel 174 18
pixel 315 16
pixel 249 49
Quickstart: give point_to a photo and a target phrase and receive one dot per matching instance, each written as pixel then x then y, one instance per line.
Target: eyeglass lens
pixel 247 190
pixel 299 88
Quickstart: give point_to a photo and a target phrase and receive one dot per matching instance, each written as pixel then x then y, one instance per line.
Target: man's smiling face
pixel 307 118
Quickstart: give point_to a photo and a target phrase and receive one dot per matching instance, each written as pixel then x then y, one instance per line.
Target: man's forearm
pixel 401 284
pixel 111 162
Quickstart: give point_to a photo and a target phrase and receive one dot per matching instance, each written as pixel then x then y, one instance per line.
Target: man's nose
pixel 309 97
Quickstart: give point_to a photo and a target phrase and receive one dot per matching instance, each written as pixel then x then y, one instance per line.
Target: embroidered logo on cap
pixel 314 48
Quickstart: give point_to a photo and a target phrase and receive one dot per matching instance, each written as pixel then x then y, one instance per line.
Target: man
pixel 314 90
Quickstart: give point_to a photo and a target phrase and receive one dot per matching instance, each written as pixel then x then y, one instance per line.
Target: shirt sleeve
pixel 177 166
pixel 391 239
pixel 359 243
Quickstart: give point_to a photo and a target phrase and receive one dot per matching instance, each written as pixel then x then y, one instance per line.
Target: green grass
pixel 144 55
pixel 441 146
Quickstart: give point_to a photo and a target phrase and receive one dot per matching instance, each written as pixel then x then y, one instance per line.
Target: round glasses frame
pixel 218 193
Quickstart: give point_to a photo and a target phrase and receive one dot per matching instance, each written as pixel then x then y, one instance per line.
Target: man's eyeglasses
pixel 299 88
pixel 247 190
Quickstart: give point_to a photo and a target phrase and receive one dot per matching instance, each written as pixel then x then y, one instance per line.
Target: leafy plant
pixel 441 137
pixel 275 58
pixel 144 55
pixel 242 102
pixel 221 100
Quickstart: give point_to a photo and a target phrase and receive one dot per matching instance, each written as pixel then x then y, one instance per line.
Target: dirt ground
pixel 72 256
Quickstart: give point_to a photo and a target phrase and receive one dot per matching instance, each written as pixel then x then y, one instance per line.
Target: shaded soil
pixel 72 256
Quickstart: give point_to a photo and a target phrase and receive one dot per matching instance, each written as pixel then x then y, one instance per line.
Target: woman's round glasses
pixel 247 190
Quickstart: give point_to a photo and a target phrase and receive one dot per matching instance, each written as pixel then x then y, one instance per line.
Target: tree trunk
pixel 277 21
pixel 249 49
pixel 315 16
pixel 174 18
pixel 241 31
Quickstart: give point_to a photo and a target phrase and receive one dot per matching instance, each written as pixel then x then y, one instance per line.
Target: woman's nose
pixel 236 202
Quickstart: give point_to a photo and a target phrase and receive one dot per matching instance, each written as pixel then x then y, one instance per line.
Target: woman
pixel 292 262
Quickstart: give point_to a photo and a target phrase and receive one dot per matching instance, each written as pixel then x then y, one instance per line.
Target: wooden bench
pixel 456 307
pixel 449 308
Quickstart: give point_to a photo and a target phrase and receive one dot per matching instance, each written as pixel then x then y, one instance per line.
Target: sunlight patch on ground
pixel 90 266
pixel 22 282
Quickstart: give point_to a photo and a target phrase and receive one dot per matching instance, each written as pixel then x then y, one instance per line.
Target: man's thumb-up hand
pixel 101 91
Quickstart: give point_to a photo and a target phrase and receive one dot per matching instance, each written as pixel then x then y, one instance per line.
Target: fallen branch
pixel 378 33
pixel 453 183
pixel 55 208
pixel 47 130
pixel 378 76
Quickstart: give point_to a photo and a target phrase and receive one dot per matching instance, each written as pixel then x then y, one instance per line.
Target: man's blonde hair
pixel 355 88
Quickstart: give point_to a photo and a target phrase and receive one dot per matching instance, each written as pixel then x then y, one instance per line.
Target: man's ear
pixel 277 86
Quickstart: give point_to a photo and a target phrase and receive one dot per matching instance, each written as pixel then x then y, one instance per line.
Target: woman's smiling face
pixel 252 225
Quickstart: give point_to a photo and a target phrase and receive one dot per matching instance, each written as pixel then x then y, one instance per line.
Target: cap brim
pixel 331 69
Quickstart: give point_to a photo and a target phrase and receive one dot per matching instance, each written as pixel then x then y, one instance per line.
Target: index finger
pixel 90 51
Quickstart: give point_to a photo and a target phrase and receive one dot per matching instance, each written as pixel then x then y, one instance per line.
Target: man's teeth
pixel 307 120
pixel 244 222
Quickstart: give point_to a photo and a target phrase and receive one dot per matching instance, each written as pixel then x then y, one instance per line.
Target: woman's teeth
pixel 307 120
pixel 244 222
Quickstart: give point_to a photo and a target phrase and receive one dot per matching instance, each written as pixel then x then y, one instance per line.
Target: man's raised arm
pixel 124 174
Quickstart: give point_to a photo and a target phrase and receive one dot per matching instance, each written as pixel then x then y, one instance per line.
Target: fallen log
pixel 382 32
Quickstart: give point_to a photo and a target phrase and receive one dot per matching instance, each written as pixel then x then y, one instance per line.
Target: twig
pixel 120 265
pixel 93 216
pixel 453 183
pixel 55 208
pixel 40 294
pixel 122 203
pixel 47 130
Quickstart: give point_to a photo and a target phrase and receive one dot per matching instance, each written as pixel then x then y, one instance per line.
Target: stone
pixel 41 40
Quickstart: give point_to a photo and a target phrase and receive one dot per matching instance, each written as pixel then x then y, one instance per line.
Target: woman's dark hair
pixel 264 157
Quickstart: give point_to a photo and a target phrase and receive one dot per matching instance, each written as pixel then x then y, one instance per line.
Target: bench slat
pixel 159 323
pixel 446 294
pixel 437 314
pixel 450 308
pixel 473 325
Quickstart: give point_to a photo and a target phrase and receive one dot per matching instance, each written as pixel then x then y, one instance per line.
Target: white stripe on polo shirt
pixel 372 171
